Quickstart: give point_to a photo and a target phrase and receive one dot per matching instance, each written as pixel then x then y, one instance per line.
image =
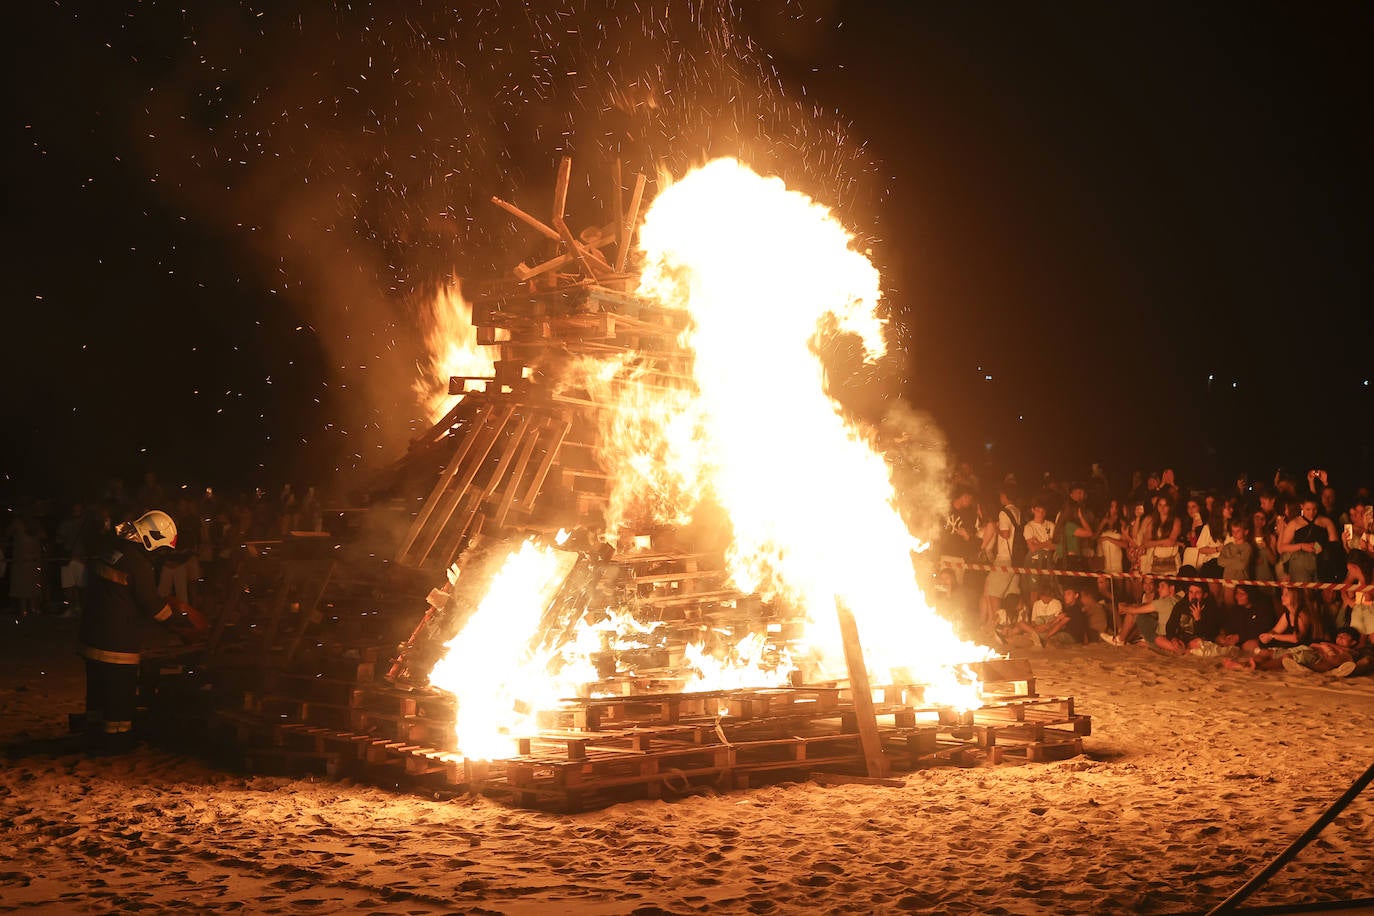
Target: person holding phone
pixel 1304 538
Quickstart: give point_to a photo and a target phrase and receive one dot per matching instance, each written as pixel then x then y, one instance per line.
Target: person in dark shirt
pixel 1195 620
pixel 1245 619
pixel 121 593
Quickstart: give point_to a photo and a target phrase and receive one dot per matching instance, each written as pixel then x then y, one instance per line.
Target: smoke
pixel 915 449
pixel 349 153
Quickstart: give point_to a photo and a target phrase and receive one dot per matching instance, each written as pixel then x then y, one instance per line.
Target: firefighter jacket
pixel 120 594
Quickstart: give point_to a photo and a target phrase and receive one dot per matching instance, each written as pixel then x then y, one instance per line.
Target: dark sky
pixel 1148 223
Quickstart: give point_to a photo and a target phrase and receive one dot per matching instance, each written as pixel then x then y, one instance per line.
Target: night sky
pixel 1128 233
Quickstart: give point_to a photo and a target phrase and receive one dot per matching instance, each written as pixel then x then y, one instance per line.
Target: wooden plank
pixel 446 478
pixel 537 225
pixel 516 476
pixel 523 272
pixel 878 765
pixel 618 211
pixel 560 189
pixel 485 439
pixel 560 432
pixel 631 218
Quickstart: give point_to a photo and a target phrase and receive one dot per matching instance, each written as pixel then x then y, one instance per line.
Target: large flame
pixel 763 271
pixel 494 667
pixel 451 342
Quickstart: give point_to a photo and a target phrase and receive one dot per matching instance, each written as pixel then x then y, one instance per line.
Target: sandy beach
pixel 1192 780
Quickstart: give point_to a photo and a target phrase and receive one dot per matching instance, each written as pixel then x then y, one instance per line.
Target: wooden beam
pixel 618 209
pixel 483 440
pixel 537 225
pixel 631 218
pixel 516 476
pixel 526 273
pixel 444 480
pixel 879 767
pixel 560 189
pixel 537 481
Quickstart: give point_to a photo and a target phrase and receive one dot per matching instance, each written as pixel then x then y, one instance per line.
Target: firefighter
pixel 121 592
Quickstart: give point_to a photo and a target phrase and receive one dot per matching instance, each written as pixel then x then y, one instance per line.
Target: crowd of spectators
pixel 1077 562
pixel 44 551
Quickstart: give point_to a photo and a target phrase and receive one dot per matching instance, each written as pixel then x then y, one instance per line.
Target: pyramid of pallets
pixel 519 453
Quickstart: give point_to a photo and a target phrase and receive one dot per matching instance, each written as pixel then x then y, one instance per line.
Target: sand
pixel 1192 780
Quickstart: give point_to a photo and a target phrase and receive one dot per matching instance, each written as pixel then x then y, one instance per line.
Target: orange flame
pixel 762 270
pixel 452 346
pixel 499 677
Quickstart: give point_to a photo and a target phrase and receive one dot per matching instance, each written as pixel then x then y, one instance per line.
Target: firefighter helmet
pixel 152 529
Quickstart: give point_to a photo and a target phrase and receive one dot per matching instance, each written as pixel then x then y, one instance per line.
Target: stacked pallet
pixel 597 751
pixel 521 453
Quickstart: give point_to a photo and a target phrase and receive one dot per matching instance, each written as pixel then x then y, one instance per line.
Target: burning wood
pixel 637 406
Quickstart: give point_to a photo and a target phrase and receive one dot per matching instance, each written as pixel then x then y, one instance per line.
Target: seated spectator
pixel 1296 625
pixel 1194 621
pixel 1141 621
pixel 1321 657
pixel 1064 623
pixel 1011 612
pixel 1243 621
pixel 1094 608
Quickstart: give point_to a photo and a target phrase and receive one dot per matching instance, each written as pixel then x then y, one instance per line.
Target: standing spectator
pixel 1111 538
pixel 150 495
pixel 311 514
pixel 287 510
pixel 26 569
pixel 1358 606
pixel 1162 542
pixel 1137 533
pixel 1039 534
pixel 1139 492
pixel 1234 558
pixel 71 545
pixel 962 527
pixel 1074 531
pixel 999 543
pixel 1303 539
pixel 1357 532
pixel 1264 562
